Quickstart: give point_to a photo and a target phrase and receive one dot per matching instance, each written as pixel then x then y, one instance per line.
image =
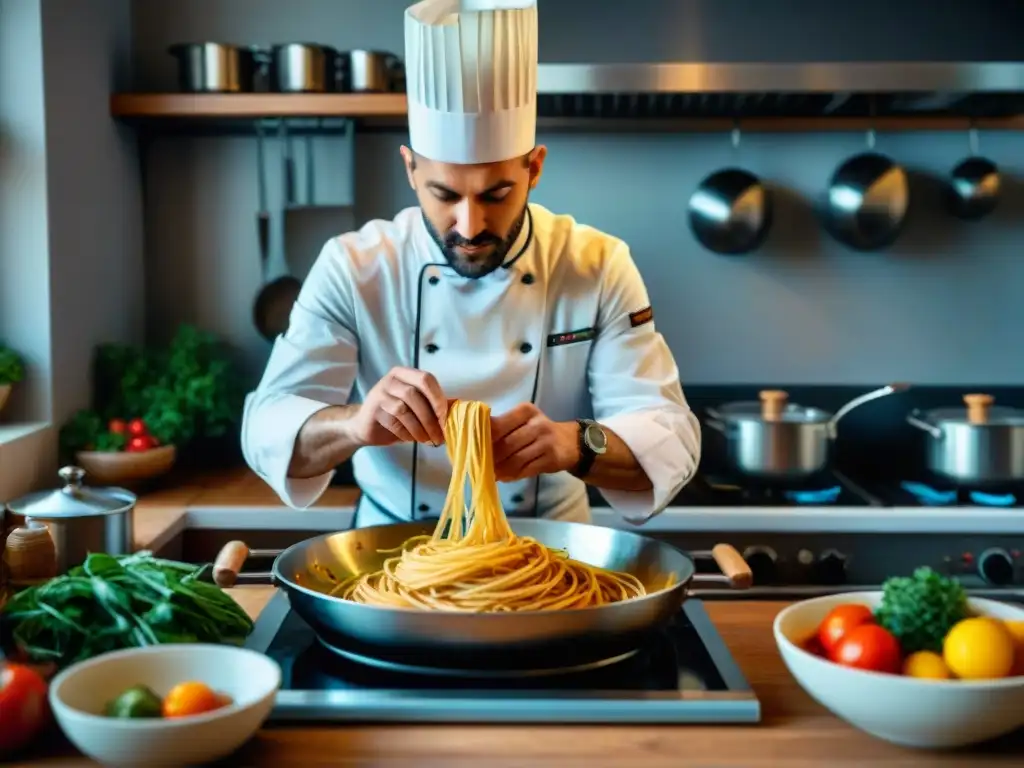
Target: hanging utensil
pixel 309 226
pixel 972 190
pixel 867 200
pixel 730 212
pixel 775 440
pixel 275 300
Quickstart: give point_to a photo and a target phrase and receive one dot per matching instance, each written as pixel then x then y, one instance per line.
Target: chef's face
pixel 474 212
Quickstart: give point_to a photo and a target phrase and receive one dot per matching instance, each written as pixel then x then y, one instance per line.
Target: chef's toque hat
pixel 471 74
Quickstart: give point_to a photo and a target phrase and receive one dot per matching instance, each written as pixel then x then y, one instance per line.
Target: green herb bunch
pixel 109 603
pixel 12 369
pixel 184 392
pixel 920 610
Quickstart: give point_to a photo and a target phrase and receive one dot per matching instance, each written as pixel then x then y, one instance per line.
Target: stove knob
pixel 762 562
pixel 996 567
pixel 830 570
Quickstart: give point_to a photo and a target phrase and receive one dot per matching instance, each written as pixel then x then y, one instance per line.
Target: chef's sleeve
pixel 635 392
pixel 312 366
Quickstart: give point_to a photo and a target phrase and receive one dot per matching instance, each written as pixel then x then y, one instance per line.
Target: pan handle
pixel 735 570
pixel 227 567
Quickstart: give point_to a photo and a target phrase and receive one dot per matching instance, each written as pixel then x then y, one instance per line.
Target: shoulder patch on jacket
pixel 641 316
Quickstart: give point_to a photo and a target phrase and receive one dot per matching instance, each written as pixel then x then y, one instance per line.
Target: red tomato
pixel 117 426
pixel 813 645
pixel 869 647
pixel 24 711
pixel 841 620
pixel 140 443
pixel 137 428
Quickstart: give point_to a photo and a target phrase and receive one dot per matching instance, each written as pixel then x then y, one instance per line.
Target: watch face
pixel 596 438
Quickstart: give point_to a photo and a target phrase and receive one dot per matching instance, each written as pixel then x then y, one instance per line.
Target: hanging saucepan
pixel 974 446
pixel 775 441
pixel 972 190
pixel 274 302
pixel 867 200
pixel 730 212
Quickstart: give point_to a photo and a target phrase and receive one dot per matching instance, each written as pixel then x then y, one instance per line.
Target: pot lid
pixel 772 406
pixel 73 499
pixel 979 410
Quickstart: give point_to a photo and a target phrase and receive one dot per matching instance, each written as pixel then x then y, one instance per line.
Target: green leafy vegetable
pixel 109 603
pixel 184 392
pixel 920 610
pixel 12 369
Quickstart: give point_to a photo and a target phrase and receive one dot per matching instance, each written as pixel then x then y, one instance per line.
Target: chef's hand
pixel 528 443
pixel 407 405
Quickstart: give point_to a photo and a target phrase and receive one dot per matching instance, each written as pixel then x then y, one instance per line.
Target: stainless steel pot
pixel 371 72
pixel 220 68
pixel 978 445
pixel 305 68
pixel 80 519
pixel 774 440
pixel 485 644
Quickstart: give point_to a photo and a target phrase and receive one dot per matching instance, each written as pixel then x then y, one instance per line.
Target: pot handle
pixel 914 419
pixel 867 397
pixel 714 419
pixel 735 570
pixel 227 567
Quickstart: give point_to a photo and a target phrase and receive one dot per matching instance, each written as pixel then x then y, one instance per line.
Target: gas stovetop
pixel 685 674
pixel 835 489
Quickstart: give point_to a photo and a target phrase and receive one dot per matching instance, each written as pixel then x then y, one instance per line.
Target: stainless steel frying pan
pixel 529 642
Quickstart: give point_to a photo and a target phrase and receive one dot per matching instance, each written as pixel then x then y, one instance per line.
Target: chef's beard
pixel 476 265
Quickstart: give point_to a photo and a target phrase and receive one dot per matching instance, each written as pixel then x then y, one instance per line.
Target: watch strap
pixel 587 456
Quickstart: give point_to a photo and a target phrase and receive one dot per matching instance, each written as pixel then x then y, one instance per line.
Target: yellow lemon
pixel 926 664
pixel 1016 628
pixel 979 649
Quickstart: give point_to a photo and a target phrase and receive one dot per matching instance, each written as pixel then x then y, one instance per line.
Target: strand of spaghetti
pixel 473 560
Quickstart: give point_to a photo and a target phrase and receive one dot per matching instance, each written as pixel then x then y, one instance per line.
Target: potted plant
pixel 149 404
pixel 12 370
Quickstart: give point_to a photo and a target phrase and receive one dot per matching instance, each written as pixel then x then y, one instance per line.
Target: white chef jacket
pixel 565 323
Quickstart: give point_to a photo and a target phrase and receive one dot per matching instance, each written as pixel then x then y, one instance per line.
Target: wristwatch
pixel 593 442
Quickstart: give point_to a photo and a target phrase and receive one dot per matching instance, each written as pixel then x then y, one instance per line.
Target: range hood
pixel 800 58
pixel 735 90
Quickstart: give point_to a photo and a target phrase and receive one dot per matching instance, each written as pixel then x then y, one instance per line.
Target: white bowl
pixel 912 712
pixel 80 692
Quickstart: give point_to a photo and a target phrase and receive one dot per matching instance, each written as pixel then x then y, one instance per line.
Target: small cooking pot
pixel 80 520
pixel 371 72
pixel 773 440
pixel 305 68
pixel 974 446
pixel 220 68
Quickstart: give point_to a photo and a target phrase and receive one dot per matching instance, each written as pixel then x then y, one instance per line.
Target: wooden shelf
pixel 255 105
pixel 388 111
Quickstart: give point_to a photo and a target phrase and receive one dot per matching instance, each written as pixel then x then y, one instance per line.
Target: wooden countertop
pixel 795 731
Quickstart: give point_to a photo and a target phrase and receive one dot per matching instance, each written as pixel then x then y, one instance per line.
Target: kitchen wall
pixel 941 307
pixel 70 212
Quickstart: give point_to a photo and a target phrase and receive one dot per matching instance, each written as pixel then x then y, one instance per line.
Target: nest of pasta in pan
pixel 474 561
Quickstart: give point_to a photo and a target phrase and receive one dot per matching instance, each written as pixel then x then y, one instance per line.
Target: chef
pixel 475 294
